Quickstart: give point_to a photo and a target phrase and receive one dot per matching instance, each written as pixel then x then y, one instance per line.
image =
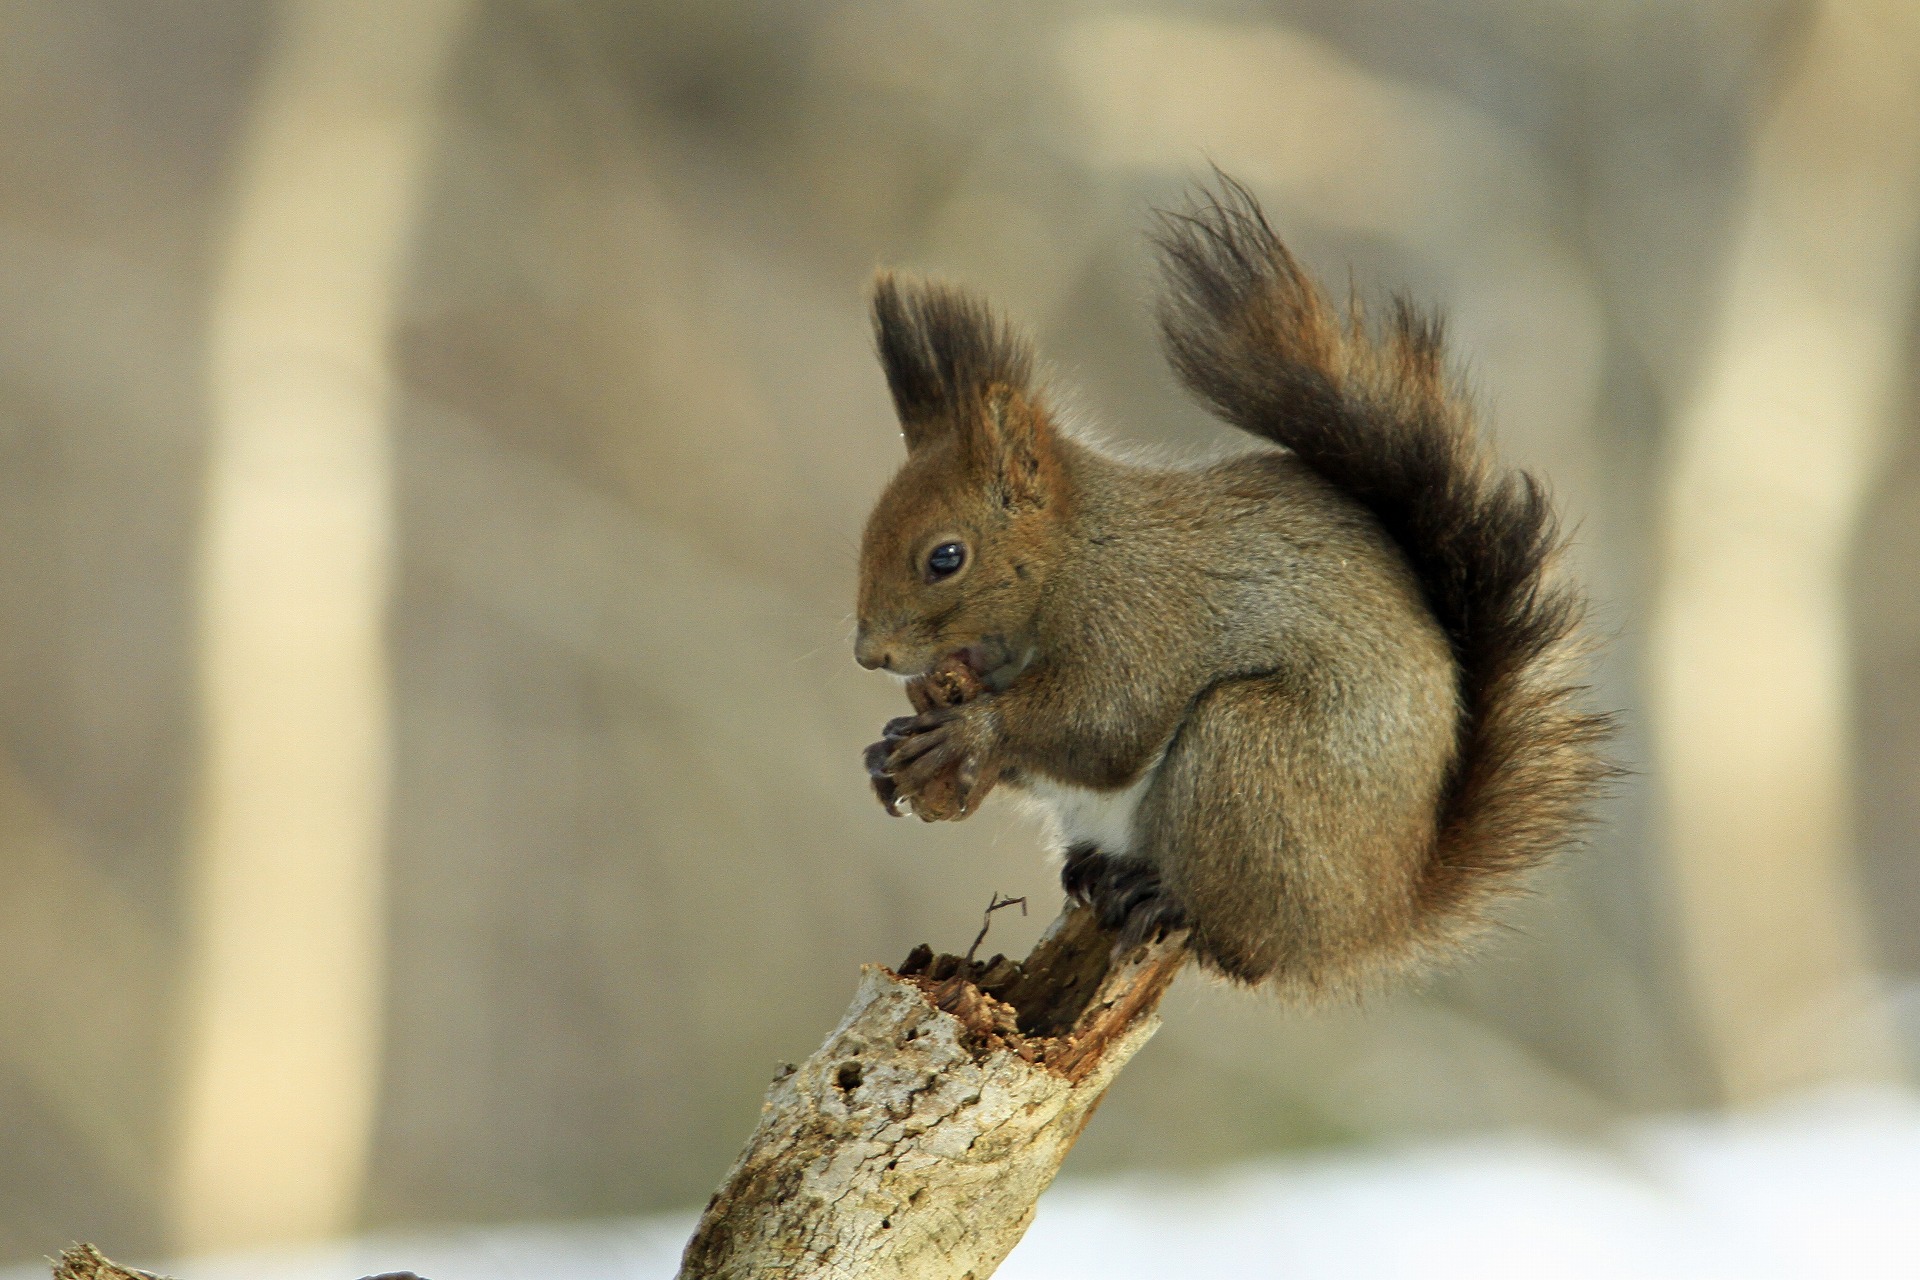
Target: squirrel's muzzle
pixel 870 653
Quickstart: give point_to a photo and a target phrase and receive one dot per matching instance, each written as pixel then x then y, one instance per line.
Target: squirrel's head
pixel 957 550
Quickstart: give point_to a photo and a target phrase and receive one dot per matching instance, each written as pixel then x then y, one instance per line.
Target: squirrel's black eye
pixel 945 560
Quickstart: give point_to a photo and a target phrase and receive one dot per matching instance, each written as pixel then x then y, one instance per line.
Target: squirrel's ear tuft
pixel 943 349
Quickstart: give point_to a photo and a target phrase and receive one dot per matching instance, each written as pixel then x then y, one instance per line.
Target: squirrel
pixel 1315 703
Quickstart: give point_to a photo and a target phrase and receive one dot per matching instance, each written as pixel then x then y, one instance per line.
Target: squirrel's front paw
pixel 923 765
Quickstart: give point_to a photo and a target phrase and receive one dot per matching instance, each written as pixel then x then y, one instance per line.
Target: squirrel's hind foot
pixel 1125 895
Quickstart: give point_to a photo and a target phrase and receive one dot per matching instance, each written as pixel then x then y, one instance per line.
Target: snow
pixel 1826 1186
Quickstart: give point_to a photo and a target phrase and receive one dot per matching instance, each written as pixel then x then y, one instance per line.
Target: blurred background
pixel 434 438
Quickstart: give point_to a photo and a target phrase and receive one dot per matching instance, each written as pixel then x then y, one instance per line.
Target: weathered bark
pixel 84 1262
pixel 916 1141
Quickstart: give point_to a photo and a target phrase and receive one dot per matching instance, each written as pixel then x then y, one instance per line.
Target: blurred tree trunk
pixel 917 1140
pixel 285 967
pixel 1769 469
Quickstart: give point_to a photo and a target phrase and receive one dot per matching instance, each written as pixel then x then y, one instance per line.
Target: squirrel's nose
pixel 868 653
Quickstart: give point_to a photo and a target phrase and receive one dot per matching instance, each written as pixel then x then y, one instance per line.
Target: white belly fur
pixel 1078 815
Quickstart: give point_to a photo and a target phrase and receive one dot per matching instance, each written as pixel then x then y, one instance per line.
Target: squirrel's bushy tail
pixel 1252 335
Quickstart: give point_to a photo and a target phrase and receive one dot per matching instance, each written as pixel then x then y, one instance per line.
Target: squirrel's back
pixel 1252 336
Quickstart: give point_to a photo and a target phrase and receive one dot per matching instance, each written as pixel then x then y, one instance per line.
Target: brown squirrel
pixel 1313 704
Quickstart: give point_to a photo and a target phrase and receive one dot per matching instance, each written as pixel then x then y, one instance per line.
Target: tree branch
pixel 84 1262
pixel 916 1141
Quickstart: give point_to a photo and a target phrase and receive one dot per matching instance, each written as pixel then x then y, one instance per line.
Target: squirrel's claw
pixel 917 758
pixel 883 784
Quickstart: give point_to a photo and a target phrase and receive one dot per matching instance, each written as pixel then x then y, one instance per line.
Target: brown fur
pixel 1310 702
